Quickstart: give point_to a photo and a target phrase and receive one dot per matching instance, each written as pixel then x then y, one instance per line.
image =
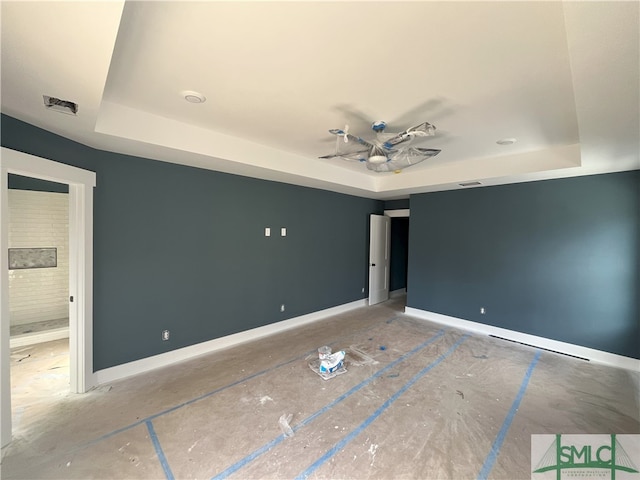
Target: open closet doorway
pixel 80 184
pixel 399 262
pixel 388 255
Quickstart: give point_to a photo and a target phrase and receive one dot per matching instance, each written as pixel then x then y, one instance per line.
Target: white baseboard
pixel 38 337
pixel 169 358
pixel 397 293
pixel 596 356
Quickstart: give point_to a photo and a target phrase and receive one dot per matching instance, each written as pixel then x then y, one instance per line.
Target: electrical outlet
pixel 362 289
pixel 165 335
pixel 282 307
pixel 482 310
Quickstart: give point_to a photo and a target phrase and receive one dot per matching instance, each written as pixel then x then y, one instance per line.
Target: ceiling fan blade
pixel 423 130
pixel 428 152
pixel 351 138
pixel 356 157
pixel 359 140
pixel 359 155
pixel 404 159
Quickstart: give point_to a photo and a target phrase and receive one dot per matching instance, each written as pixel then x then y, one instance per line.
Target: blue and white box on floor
pixel 332 362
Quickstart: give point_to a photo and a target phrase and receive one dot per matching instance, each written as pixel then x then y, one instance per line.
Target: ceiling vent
pixel 469 184
pixel 62 106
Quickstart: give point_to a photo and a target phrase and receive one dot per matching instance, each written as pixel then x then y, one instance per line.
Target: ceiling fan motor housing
pixel 378 126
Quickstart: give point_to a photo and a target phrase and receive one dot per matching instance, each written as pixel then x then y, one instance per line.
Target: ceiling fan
pixel 388 152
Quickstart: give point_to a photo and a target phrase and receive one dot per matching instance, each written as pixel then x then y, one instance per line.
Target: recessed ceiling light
pixel 506 141
pixel 193 97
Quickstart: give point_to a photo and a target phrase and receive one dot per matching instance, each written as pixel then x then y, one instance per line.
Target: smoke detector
pixel 62 106
pixel 193 97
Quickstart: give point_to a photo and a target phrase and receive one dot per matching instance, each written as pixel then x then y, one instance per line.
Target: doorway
pixel 38 260
pixel 399 262
pixel 81 184
pixel 388 255
pixel 38 297
pixel 399 255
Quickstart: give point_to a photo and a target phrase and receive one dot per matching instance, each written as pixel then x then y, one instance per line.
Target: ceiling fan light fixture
pixel 378 159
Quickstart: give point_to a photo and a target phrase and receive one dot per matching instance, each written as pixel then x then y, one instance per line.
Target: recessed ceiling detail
pixel 280 81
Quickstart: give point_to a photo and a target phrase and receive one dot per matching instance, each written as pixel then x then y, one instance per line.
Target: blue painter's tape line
pixel 159 452
pixel 208 394
pixel 497 444
pixel 354 433
pixel 193 400
pixel 255 454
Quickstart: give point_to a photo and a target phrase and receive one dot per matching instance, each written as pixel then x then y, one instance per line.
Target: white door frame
pixel 399 213
pixel 81 184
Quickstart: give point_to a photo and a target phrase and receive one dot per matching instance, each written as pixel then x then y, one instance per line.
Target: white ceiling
pixel 561 77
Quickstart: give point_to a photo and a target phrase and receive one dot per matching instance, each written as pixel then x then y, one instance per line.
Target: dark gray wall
pixel 396 204
pixel 183 249
pixel 18 182
pixel 557 258
pixel 399 253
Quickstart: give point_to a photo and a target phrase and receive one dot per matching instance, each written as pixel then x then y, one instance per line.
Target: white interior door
pixel 380 239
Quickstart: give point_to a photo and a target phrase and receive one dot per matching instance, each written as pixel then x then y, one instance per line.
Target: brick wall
pixel 39 219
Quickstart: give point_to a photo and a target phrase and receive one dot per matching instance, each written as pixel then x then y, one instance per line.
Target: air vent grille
pixel 62 106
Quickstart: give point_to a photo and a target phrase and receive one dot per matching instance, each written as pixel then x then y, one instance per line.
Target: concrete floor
pixel 436 403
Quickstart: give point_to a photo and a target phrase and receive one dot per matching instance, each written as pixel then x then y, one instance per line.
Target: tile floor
pixel 38 327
